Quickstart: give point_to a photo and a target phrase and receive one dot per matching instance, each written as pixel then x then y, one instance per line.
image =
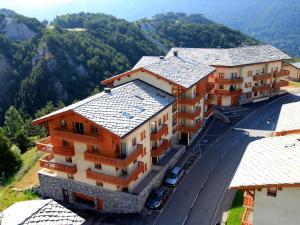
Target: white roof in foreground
pixel 289 117
pixel 123 109
pixel 269 161
pixel 232 56
pixel 185 72
pixel 39 212
pixel 296 64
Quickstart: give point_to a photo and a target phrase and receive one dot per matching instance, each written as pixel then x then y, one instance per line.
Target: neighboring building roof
pixel 123 109
pixel 296 65
pixel 145 60
pixel 289 117
pixel 40 212
pixel 232 56
pixel 273 161
pixel 176 69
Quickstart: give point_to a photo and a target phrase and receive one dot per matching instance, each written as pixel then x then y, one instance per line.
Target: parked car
pixel 174 176
pixel 157 198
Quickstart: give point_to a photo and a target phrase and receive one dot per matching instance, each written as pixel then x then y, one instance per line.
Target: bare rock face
pixel 5 72
pixel 14 30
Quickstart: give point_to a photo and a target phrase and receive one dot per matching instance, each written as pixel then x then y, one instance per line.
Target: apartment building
pixel 294 71
pixel 100 149
pixel 243 75
pixel 288 121
pixel 269 176
pixel 187 80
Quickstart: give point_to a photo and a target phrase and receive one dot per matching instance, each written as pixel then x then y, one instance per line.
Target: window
pixel 94 129
pixel 248 84
pixel 98 166
pixel 100 184
pixel 233 75
pixel 276 69
pixel 221 75
pixel 143 135
pixel 95 148
pixel 249 73
pixel 78 128
pixel 165 118
pixel 255 93
pixel 117 168
pixel 65 143
pixel 144 153
pixel 159 122
pixel 133 142
pixel 71 176
pixel 249 94
pixel 257 72
pixel 263 70
pixel 221 86
pixel 69 159
pixel 272 192
pixel 63 124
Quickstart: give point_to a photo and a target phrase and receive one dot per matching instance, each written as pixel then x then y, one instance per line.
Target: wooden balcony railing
pixel 209 112
pixel 190 101
pixel 281 73
pixel 282 83
pixel 47 162
pixel 156 135
pixel 248 201
pixel 228 92
pixel 238 80
pixel 190 115
pixel 264 76
pixel 156 152
pixel 64 151
pixel 69 135
pixel 189 129
pixel 44 145
pixel 119 181
pixel 261 87
pixel 117 162
pixel 247 218
pixel 210 86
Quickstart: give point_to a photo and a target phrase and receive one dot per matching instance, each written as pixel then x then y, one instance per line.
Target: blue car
pixel 157 198
pixel 174 176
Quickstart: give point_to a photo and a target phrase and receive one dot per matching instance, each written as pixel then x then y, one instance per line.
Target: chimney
pixel 175 53
pixel 107 90
pixel 161 57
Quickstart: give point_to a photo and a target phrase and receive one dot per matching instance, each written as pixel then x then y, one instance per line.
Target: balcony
pixel 45 145
pixel 247 218
pixel 209 112
pixel 156 152
pixel 281 73
pixel 117 162
pixel 237 80
pixel 248 201
pixel 190 115
pixel 262 77
pixel 190 129
pixel 210 86
pixel 87 138
pixel 190 101
pixel 228 92
pixel 263 87
pixel 49 163
pixel 64 151
pixel 122 181
pixel 156 135
pixel 282 83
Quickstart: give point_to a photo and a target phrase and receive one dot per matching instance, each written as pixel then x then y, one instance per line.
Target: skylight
pixel 161 95
pixel 127 115
pixel 139 97
pixel 139 108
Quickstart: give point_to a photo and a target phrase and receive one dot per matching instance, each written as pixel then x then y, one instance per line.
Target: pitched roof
pixel 269 162
pixel 296 64
pixel 289 118
pixel 145 60
pixel 123 109
pixel 232 56
pixel 38 212
pixel 185 72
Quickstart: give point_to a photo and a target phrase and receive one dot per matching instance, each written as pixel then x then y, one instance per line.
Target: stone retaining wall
pixel 113 201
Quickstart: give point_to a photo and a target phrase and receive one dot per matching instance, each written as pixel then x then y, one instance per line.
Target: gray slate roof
pixel 232 56
pixel 40 212
pixel 124 109
pixel 296 64
pixel 269 161
pixel 289 117
pixel 185 72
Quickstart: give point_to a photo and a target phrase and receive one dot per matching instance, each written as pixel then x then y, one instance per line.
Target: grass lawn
pixel 26 177
pixel 236 210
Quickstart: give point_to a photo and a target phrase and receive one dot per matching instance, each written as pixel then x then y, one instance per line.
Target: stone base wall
pixel 113 201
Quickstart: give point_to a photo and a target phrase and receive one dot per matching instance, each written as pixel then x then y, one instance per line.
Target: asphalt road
pixel 201 196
